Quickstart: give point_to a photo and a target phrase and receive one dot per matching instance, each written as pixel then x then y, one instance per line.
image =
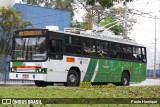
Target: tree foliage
pixel 103 3
pixel 59 4
pixel 10 20
pixel 99 15
pixel 117 29
pixel 82 25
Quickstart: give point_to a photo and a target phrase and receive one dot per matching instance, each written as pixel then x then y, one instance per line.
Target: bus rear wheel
pixel 73 78
pixel 40 83
pixel 125 79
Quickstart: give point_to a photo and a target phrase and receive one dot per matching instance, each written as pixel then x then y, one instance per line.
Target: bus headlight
pixel 39 70
pixel 14 70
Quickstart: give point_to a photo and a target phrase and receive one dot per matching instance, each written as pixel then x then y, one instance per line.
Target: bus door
pixel 56 65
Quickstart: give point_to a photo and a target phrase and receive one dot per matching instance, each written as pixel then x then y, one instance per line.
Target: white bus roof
pixel 118 39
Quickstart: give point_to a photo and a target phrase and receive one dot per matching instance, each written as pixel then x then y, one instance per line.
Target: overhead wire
pixel 144 3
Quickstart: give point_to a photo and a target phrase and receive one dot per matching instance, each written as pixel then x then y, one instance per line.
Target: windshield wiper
pixel 24 47
pixel 27 49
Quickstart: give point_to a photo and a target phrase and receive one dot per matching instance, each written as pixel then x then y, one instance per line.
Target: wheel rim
pixel 72 78
pixel 125 81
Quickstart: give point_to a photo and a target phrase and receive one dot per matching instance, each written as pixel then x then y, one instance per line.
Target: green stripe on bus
pixel 17 63
pixel 90 70
pixel 103 68
pixel 111 71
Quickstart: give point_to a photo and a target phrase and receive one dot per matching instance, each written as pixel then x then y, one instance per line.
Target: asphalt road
pixel 147 82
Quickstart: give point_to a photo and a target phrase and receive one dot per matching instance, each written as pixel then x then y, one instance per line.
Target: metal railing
pixel 4 72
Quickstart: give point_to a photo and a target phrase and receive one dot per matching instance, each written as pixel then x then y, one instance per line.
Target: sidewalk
pixel 148 82
pixel 16 83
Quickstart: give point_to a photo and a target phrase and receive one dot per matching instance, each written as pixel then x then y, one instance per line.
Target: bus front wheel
pixel 125 79
pixel 73 78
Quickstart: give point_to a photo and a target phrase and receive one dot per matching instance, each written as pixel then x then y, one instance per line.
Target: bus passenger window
pixel 127 52
pixel 55 49
pixel 114 50
pixel 102 49
pixel 88 47
pixel 72 45
pixel 144 55
pixel 137 54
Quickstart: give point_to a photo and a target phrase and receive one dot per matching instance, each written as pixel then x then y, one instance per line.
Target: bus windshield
pixel 29 48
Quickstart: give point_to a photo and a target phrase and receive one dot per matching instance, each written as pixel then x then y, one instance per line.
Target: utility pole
pixel 159 36
pixel 125 20
pixel 155 51
pixel 89 17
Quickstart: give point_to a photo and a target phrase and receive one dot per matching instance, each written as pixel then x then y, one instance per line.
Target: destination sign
pixel 30 33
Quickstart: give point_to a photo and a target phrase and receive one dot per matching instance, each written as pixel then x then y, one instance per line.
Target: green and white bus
pixel 48 57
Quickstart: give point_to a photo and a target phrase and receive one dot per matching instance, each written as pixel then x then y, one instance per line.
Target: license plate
pixel 25 76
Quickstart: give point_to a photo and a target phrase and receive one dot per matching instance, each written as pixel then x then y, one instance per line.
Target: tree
pixel 59 4
pixel 10 20
pixel 115 26
pixel 96 15
pixel 103 3
pixel 82 25
pixel 101 14
pixel 118 13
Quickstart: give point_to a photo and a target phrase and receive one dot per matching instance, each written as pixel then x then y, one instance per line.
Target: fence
pixel 150 73
pixel 5 69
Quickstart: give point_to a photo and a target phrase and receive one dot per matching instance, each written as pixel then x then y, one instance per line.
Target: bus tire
pixel 73 78
pixel 125 79
pixel 40 83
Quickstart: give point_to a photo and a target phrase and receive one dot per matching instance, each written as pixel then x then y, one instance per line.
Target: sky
pixel 144 30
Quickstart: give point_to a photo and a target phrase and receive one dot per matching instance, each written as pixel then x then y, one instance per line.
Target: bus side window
pixel 144 55
pixel 137 54
pixel 55 49
pixel 112 50
pixel 73 45
pixel 102 49
pixel 88 47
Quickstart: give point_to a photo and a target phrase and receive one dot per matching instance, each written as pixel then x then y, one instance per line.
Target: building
pixel 42 16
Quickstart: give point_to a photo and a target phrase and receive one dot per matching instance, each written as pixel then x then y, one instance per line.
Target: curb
pixel 16 84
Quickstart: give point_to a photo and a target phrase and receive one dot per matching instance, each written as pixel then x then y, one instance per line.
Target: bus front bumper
pixel 27 76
